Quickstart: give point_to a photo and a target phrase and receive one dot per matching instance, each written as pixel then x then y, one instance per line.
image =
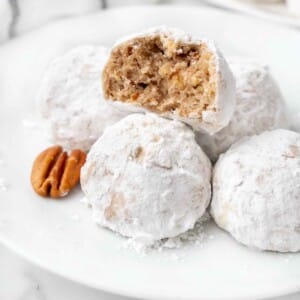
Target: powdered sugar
pixel 29 123
pixel 256 191
pixel 193 237
pixel 85 201
pixel 75 217
pixel 259 107
pixel 176 34
pixel 70 98
pixel 147 178
pixel 3 185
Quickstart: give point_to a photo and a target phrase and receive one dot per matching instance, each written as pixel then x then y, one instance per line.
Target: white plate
pixel 60 235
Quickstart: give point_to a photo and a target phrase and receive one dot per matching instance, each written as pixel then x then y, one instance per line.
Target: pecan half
pixel 55 173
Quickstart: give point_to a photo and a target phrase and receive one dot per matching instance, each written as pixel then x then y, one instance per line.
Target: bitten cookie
pixel 168 72
pixel 259 107
pixel 256 191
pixel 70 98
pixel 147 178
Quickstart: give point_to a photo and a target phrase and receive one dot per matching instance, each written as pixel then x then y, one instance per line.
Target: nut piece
pixel 54 173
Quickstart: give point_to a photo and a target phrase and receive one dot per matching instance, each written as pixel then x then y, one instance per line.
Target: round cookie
pixel 173 74
pixel 256 191
pixel 70 98
pixel 147 178
pixel 259 107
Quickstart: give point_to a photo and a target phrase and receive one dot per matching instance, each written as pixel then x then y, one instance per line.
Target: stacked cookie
pixel 168 102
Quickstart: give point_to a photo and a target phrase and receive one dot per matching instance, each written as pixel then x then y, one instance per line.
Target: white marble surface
pixel 20 280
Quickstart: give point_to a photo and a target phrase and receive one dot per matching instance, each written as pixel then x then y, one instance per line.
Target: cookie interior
pixel 162 75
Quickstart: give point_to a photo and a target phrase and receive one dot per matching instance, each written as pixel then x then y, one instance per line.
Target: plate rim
pixel 277 292
pixel 251 10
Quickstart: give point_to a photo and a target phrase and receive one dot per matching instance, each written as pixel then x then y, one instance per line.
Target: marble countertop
pixel 20 280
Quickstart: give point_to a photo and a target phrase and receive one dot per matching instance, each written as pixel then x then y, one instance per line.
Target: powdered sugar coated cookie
pixel 259 107
pixel 256 191
pixel 173 74
pixel 70 98
pixel 147 178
